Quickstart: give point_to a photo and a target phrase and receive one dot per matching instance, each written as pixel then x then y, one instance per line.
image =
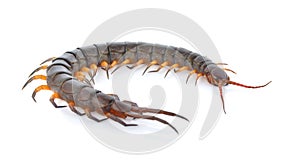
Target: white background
pixel 259 39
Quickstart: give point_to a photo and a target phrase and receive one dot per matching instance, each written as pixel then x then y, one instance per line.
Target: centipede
pixel 71 78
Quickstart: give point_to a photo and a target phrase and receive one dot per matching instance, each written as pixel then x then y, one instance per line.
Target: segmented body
pixel 60 73
pixel 66 78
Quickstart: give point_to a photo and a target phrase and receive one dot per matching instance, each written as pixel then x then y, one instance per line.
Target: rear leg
pixel 116 119
pixel 152 118
pixel 135 108
pixel 113 115
pixel 157 111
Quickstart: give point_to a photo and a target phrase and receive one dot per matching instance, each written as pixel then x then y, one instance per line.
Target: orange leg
pixel 53 97
pixel 160 67
pixel 42 77
pixel 172 67
pixel 154 62
pixel 126 61
pixel 190 74
pixel 105 66
pixel 39 88
pixel 141 61
pixel 113 63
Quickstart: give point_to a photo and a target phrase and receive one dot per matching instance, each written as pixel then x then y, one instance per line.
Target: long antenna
pixel 246 86
pixel 221 94
pixel 237 84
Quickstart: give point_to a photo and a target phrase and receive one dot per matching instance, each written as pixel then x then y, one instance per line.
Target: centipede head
pixel 219 78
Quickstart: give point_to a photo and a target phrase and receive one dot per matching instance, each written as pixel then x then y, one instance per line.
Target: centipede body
pixel 71 77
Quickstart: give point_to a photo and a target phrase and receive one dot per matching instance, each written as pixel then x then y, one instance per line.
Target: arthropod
pixel 71 77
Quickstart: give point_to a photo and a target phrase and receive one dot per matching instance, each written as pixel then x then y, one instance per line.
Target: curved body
pixel 67 76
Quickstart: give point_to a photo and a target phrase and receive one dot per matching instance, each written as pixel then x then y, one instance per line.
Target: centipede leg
pixel 198 76
pixel 149 65
pixel 72 107
pixel 172 67
pixel 94 68
pixel 181 69
pixel 126 61
pixel 42 77
pixel 160 67
pixel 137 109
pixel 89 115
pixel 81 77
pixel 38 69
pixel 52 98
pixel 105 66
pixel 227 69
pixel 39 88
pixel 47 60
pixel 116 119
pixel 141 61
pixel 152 118
pixel 221 64
pixel 190 74
pixel 113 63
pixel 88 71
